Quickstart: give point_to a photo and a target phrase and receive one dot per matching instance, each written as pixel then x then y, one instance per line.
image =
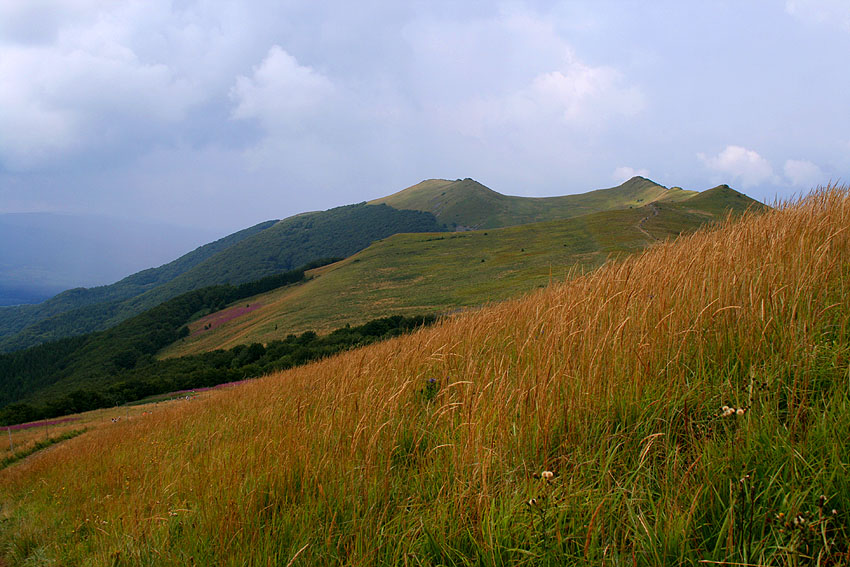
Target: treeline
pixel 92 362
pixel 341 232
pixel 151 377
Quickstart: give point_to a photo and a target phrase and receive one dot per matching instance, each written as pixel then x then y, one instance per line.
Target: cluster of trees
pixel 92 361
pixel 341 232
pixel 136 377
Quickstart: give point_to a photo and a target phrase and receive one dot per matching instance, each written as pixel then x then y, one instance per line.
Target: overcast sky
pixel 222 114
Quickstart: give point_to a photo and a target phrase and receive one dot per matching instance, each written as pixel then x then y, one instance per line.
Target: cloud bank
pixel 214 113
pixel 740 164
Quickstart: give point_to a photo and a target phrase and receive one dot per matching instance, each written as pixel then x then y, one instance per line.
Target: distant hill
pixel 42 254
pixel 467 204
pixel 438 273
pixel 88 308
pixel 260 251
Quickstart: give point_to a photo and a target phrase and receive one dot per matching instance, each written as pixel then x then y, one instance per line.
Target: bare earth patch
pixel 219 318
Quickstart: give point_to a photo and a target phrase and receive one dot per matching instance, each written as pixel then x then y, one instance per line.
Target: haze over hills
pixel 86 309
pixel 42 254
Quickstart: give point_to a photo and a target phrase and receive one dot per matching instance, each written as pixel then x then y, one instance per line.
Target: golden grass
pixel 613 380
pixel 14 441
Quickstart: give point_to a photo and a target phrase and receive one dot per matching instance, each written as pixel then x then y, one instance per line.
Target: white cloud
pixel 530 97
pixel 624 173
pixel 744 166
pixel 91 80
pixel 828 12
pixel 802 173
pixel 515 71
pixel 578 93
pixel 280 92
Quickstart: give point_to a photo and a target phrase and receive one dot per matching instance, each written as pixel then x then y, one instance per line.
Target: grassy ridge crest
pixel 467 204
pixel 439 273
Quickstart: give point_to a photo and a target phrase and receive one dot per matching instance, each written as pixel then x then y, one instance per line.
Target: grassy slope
pixel 467 203
pixel 265 249
pixel 419 273
pixel 614 381
pixel 246 255
pixel 291 243
pixel 285 245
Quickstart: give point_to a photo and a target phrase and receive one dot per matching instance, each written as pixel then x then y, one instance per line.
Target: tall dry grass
pixel 427 449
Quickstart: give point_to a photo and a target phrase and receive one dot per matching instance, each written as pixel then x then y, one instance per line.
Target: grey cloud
pixel 196 112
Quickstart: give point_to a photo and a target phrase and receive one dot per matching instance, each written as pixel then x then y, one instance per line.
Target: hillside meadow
pixel 466 203
pixel 436 448
pixel 445 272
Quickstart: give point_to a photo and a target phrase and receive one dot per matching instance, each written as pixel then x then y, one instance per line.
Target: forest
pixel 119 365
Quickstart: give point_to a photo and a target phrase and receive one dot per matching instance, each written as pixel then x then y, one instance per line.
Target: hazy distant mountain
pixel 81 310
pixel 42 254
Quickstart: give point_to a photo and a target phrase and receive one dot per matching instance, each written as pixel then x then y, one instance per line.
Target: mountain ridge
pixel 467 204
pixel 402 275
pixel 277 246
pixel 437 273
pixel 429 206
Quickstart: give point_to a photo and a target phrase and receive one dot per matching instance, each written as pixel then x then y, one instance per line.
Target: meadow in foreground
pixel 429 449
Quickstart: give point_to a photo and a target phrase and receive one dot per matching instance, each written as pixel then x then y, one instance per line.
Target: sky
pixel 220 114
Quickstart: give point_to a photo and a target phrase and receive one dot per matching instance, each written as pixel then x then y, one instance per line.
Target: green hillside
pixel 439 273
pixel 262 251
pixel 83 310
pixel 293 242
pixel 467 204
pixel 271 247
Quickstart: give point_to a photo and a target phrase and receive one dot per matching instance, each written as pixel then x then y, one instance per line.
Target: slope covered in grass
pixel 439 273
pixel 467 204
pixel 281 246
pixel 428 449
